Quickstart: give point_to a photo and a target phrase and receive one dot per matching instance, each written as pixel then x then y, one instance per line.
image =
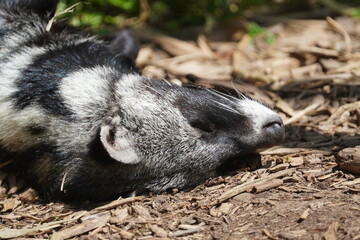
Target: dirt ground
pixel 310 75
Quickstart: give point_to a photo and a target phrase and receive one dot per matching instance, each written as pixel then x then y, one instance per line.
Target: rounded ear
pixel 118 145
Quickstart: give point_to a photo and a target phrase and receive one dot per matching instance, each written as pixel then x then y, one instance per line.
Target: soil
pixel 310 75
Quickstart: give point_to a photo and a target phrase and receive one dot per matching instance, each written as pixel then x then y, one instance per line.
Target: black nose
pixel 273 131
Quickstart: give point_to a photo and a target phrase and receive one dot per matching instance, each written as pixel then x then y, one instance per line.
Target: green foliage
pixel 355 12
pixel 254 30
pixel 172 15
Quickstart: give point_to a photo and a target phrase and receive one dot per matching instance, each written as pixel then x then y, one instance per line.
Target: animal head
pixel 105 129
pixel 176 136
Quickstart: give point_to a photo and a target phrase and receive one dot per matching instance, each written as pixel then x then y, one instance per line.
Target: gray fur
pixel 85 125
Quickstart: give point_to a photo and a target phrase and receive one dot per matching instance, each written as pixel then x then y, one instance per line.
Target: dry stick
pixel 174 46
pixel 294 151
pixel 337 27
pixel 120 202
pixel 281 104
pixel 313 50
pixel 266 186
pixel 247 186
pixel 184 232
pixel 317 103
pixel 339 77
pixel 68 10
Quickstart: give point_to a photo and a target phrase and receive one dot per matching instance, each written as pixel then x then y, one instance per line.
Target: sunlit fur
pixel 82 123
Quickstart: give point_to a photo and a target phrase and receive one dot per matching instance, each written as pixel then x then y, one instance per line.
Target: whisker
pixel 240 95
pixel 225 107
pixel 167 81
pixel 222 95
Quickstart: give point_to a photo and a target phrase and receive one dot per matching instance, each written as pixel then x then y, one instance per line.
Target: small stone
pixel 349 159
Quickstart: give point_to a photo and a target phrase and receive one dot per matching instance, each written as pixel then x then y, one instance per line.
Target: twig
pixel 266 186
pixel 313 50
pixel 68 10
pixel 317 103
pixel 281 104
pixel 120 202
pixel 184 232
pixel 343 77
pixel 337 27
pixel 247 186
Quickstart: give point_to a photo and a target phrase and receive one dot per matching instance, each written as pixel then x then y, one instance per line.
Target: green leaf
pixel 254 30
pixel 128 5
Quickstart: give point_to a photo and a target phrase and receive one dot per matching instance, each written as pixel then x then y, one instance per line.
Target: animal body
pixel 84 124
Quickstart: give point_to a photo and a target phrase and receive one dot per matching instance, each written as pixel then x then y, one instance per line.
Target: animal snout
pixel 273 131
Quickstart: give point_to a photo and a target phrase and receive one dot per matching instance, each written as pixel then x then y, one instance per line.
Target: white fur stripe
pixel 258 113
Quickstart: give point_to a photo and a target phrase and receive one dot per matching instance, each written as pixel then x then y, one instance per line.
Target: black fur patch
pixel 36 129
pixel 40 81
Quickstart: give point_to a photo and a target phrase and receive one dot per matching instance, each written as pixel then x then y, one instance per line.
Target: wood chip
pixel 304 215
pixel 124 234
pixel 30 195
pixel 91 222
pixel 158 231
pixel 142 211
pixel 120 216
pixel 225 208
pixel 10 204
pixel 296 161
pixel 330 233
pixel 279 167
pixel 296 234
